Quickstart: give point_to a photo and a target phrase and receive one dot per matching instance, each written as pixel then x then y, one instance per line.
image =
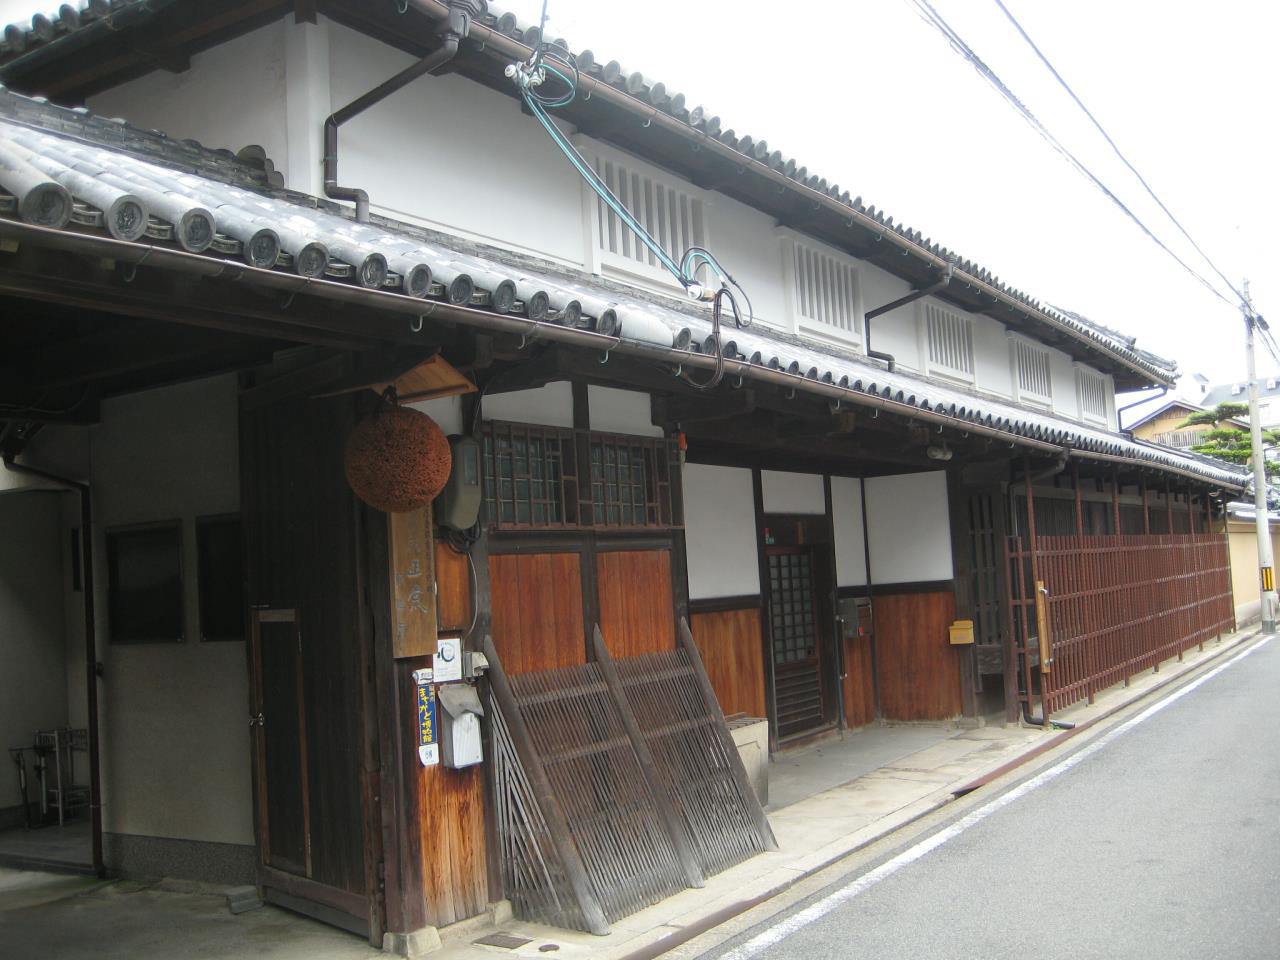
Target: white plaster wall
pixel 33 693
pixel 454 154
pixel 720 532
pixel 909 528
pixel 550 405
pixel 1066 403
pixel 751 248
pixel 992 363
pixel 792 492
pixel 621 411
pixel 446 412
pixel 846 516
pixel 895 332
pixel 176 750
pixel 232 95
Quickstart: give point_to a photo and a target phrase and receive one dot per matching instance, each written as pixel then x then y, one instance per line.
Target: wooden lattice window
pixel 543 478
pixel 950 341
pixel 524 476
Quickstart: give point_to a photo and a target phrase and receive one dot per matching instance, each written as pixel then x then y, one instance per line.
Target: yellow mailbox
pixel 961 632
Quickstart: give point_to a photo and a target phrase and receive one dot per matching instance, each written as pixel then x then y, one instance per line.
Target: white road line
pixel 821 908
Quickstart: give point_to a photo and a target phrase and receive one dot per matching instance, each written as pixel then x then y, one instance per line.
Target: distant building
pixel 1164 425
pixel 1268 397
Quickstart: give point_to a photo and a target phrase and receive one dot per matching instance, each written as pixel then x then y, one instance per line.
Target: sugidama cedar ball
pixel 397 460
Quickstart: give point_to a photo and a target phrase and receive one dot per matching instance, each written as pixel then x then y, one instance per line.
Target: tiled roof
pixel 753 149
pixel 56 21
pixel 71 172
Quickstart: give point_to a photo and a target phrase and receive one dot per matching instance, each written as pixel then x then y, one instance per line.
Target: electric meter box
pixel 461 744
pixel 458 506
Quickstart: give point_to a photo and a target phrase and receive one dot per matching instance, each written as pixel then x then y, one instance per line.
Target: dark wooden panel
pixel 453 581
pixel 636 610
pixel 451 824
pixel 859 683
pixel 537 611
pixel 283 746
pixel 919 670
pixel 301 549
pixel 733 653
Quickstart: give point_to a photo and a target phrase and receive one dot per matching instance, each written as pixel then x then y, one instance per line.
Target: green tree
pixel 1227 441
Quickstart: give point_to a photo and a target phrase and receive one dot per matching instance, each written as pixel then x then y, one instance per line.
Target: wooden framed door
pixel 278 719
pixel 287 836
pixel 796 634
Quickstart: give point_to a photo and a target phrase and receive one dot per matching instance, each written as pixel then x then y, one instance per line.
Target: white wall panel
pixel 894 332
pixel 720 532
pixel 449 152
pixel 992 366
pixel 621 411
pixel 1065 401
pixel 445 411
pixel 792 492
pixel 175 743
pixel 33 693
pixel 909 528
pixel 846 515
pixel 232 95
pixel 550 405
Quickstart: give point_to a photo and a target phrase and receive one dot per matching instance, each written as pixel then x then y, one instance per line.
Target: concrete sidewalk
pixel 45 916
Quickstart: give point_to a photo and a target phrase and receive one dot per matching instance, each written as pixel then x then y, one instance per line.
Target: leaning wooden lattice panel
pixel 608 805
pixel 695 759
pixel 532 875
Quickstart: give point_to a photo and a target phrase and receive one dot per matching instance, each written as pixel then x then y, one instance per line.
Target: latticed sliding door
pixel 797 646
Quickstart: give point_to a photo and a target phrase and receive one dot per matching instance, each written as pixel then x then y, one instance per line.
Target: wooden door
pixel 795 622
pixel 280 744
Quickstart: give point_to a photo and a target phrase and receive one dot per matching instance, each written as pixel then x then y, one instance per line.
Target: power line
pixel 931 16
pixel 1106 136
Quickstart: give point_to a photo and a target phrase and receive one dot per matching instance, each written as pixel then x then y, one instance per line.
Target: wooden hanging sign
pixel 413 582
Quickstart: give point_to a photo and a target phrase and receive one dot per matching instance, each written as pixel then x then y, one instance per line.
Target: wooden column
pixel 962 564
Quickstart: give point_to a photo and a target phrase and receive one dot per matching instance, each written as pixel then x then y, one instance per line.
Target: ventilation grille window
pixel 1034 381
pixel 950 341
pixel 826 290
pixel 546 478
pixel 673 217
pixel 1093 394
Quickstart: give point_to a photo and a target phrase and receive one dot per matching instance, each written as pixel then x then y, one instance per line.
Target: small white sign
pixel 447 663
pixel 429 754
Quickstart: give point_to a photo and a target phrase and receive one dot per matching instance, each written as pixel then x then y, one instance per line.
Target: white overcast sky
pixel 867 94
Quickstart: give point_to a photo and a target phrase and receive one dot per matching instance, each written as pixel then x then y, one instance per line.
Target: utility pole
pixel 1266 571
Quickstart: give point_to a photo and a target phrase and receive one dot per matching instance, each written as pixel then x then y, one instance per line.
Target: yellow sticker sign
pixel 1268 579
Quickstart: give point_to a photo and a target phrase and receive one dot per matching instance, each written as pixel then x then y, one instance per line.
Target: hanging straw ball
pixel 397 460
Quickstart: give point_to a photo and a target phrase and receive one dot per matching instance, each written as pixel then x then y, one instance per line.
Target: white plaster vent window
pixel 672 215
pixel 1092 388
pixel 950 341
pixel 826 291
pixel 1031 367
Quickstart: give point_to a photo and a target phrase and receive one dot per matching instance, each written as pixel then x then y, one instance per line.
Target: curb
pixel 650 951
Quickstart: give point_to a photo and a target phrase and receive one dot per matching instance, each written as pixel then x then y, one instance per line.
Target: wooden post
pixel 1146 510
pixel 1075 484
pixel 1115 501
pixel 670 820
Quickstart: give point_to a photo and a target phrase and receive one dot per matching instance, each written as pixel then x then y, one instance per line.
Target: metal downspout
pixel 453 31
pixel 90 648
pixel 911 297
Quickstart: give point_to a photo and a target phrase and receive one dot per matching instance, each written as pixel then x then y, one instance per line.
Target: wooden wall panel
pixel 918 669
pixel 453 583
pixel 859 683
pixel 733 651
pixel 537 610
pixel 637 615
pixel 452 828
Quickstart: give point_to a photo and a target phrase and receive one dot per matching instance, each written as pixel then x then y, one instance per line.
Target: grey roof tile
pixel 217 203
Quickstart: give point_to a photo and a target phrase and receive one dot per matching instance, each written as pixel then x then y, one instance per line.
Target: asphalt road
pixel 1160 838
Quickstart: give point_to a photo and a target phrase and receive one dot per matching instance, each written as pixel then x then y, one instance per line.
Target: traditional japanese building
pixel 850 491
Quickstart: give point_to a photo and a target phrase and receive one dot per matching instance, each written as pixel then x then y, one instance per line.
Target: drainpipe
pixel 90 647
pixel 911 297
pixel 455 28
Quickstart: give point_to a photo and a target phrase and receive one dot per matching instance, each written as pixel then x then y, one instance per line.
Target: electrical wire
pixel 1110 142
pixel 931 16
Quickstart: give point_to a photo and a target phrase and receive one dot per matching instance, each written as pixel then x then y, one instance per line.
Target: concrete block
pixel 243 899
pixel 419 943
pixel 751 735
